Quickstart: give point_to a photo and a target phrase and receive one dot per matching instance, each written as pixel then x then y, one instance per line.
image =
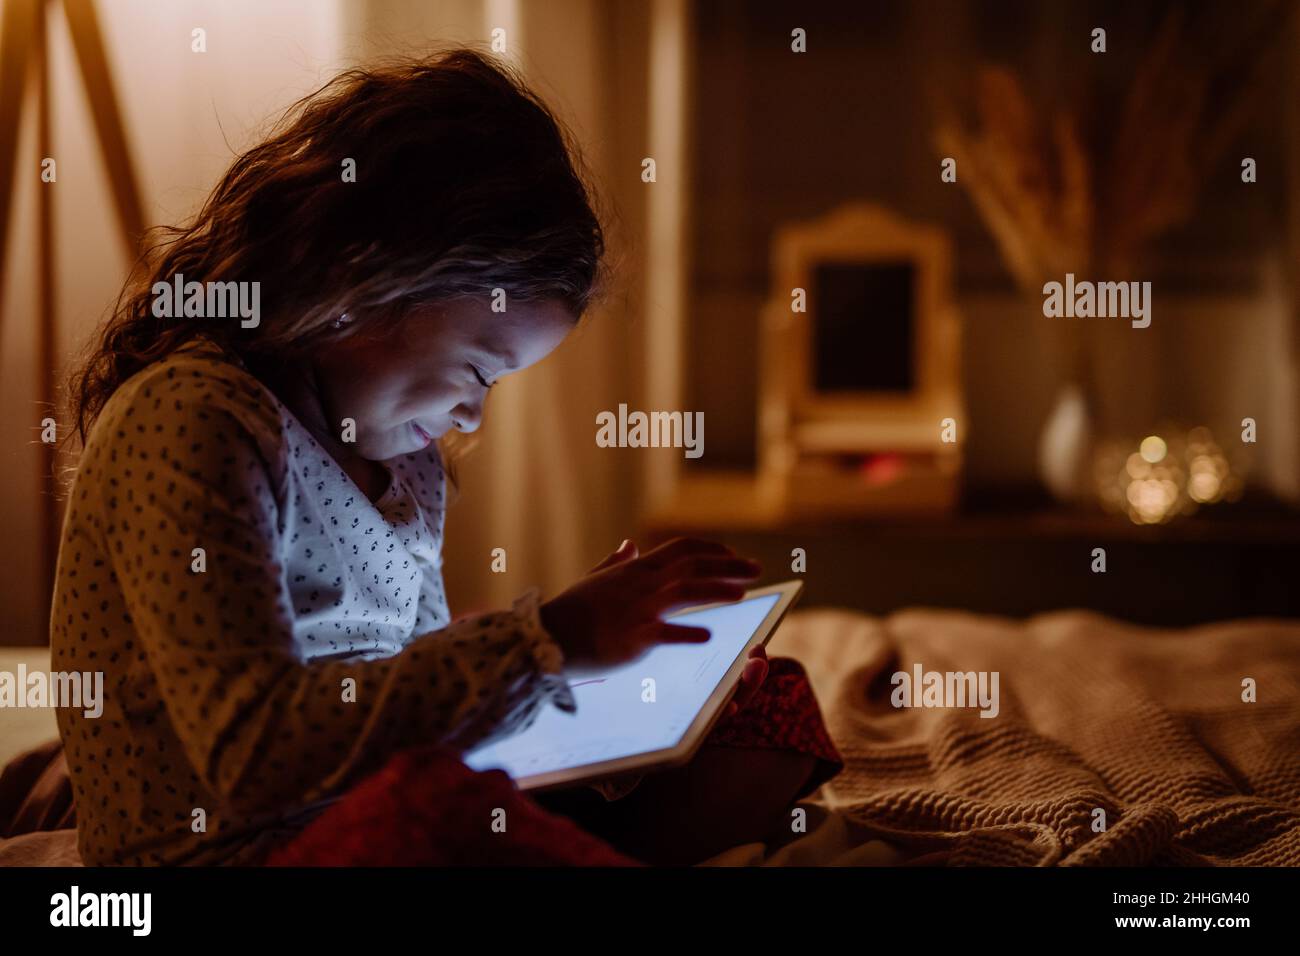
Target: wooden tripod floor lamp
pixel 24 60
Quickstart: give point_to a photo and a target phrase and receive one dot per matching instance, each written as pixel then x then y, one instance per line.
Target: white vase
pixel 1065 445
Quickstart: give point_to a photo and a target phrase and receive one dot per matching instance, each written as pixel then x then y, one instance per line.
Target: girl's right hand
pixel 614 613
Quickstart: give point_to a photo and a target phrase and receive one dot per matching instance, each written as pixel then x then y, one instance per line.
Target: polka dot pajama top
pixel 248 683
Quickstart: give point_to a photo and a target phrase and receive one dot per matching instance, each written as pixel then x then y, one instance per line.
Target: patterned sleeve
pixel 427 478
pixel 189 468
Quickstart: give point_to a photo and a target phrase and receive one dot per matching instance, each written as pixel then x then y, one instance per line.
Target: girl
pixel 252 546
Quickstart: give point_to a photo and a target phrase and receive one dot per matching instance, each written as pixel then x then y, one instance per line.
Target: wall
pixel 782 137
pixel 184 114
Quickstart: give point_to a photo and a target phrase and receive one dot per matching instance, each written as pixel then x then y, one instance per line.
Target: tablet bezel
pixel 705 719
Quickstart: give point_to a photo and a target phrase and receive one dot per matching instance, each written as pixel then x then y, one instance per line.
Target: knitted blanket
pixel 1112 744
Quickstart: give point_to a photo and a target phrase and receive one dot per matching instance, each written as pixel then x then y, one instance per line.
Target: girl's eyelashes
pixel 479 375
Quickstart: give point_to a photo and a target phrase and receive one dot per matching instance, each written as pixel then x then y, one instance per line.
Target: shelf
pixel 730 501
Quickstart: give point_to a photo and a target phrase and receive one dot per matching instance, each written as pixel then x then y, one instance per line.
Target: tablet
pixel 648 714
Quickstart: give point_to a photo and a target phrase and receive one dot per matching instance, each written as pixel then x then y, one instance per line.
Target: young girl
pixel 252 547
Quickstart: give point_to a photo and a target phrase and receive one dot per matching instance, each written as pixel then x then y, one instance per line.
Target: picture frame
pixel 820 394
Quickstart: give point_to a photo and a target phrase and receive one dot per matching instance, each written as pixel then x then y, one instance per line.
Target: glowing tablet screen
pixel 613 720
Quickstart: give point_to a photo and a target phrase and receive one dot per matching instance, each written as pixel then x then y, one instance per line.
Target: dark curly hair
pixel 464 182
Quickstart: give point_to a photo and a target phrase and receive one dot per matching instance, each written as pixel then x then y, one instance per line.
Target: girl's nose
pixel 467 418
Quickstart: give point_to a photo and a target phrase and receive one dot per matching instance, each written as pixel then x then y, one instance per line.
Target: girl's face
pixel 430 373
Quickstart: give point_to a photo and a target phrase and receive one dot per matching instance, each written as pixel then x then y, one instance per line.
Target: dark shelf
pixel 1017 554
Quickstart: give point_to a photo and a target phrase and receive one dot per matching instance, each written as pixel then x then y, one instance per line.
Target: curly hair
pixel 465 182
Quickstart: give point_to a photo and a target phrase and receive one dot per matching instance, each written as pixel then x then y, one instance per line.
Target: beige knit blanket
pixel 1113 744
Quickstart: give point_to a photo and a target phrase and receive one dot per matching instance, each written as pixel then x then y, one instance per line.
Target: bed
pixel 1112 744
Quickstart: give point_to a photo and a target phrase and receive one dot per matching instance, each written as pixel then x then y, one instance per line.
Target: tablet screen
pixel 615 717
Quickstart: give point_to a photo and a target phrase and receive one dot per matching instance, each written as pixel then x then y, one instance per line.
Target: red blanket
pixel 426 808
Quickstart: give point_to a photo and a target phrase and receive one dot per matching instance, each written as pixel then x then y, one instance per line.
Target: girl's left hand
pixel 751 679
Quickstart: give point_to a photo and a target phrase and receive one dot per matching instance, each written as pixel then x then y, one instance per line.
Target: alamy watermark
pixel 75 908
pixel 922 688
pixel 1084 300
pixel 77 689
pixel 208 300
pixel 651 430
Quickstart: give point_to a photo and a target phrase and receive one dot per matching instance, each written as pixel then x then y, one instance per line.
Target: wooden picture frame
pixel 800 418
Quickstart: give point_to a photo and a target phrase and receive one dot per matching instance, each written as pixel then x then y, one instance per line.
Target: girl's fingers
pixel 751 679
pixel 666 633
pixel 678 548
pixel 625 552
pixel 729 568
pixel 687 593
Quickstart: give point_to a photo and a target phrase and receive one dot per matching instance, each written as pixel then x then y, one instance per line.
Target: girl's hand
pixel 613 614
pixel 751 679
